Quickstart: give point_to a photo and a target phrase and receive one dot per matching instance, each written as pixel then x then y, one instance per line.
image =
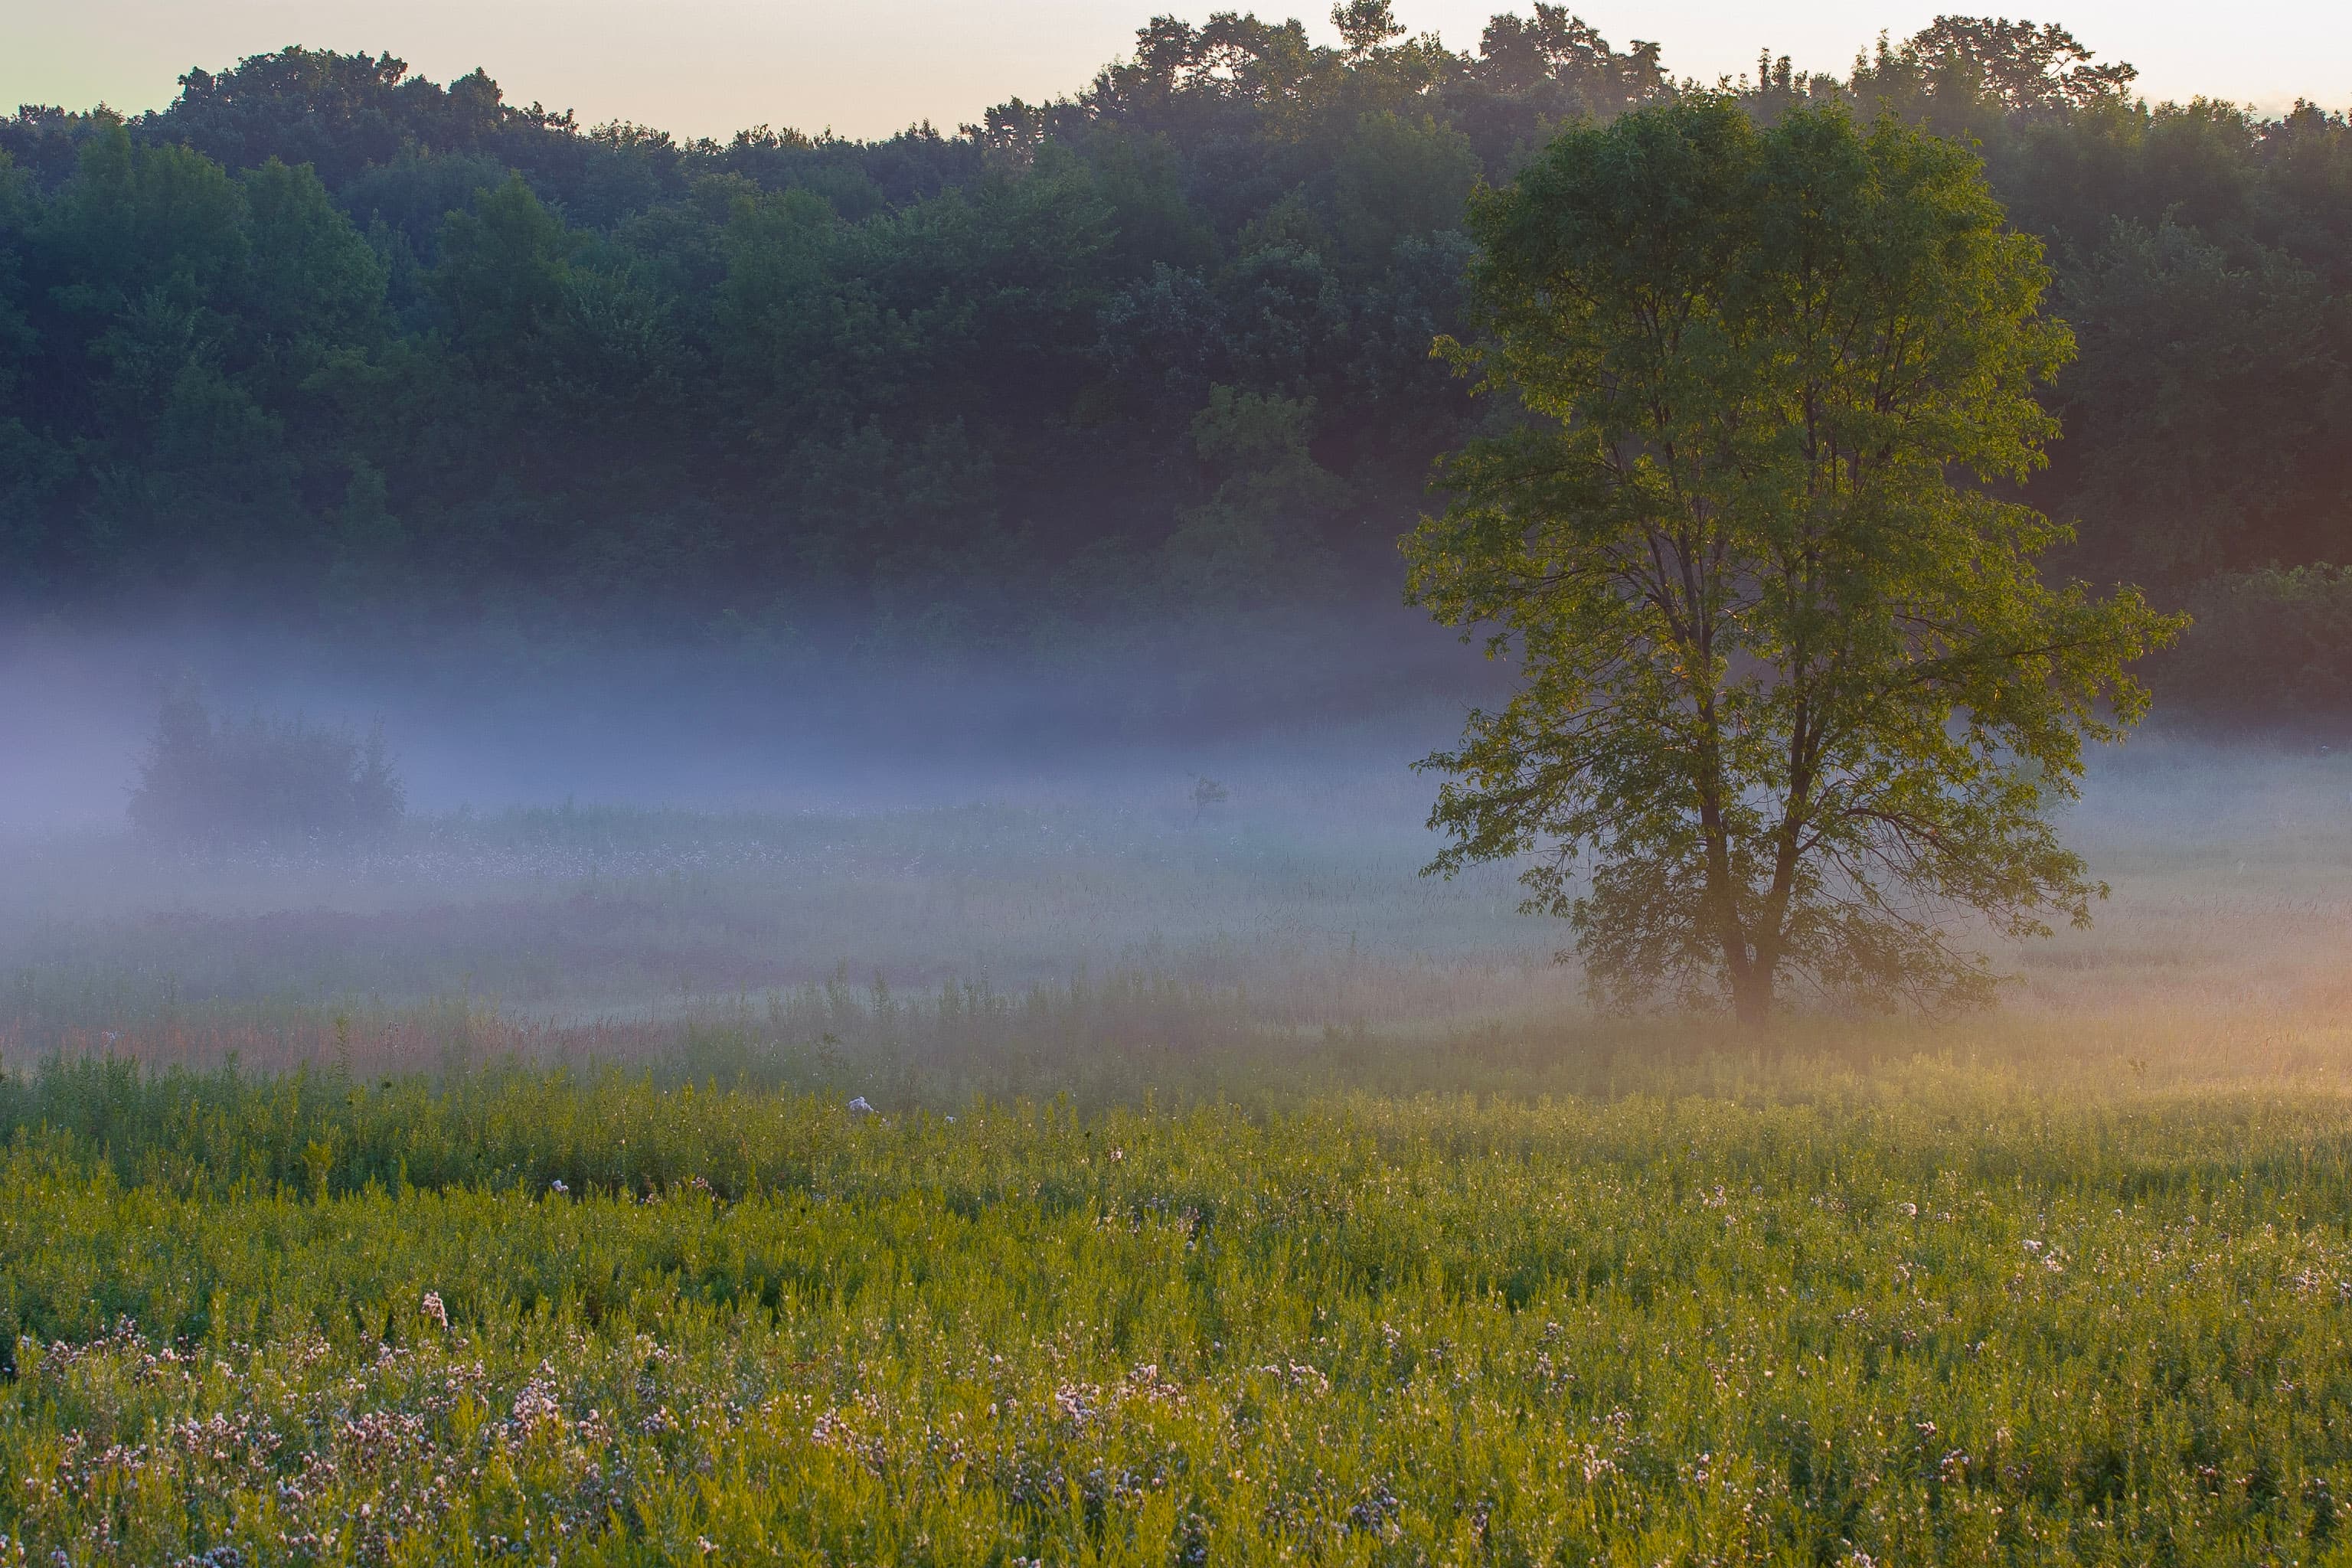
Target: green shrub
pixel 207 780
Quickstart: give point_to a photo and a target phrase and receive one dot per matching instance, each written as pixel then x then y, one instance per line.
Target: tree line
pixel 328 336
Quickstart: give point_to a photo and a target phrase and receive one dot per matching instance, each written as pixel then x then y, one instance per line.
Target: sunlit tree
pixel 1791 686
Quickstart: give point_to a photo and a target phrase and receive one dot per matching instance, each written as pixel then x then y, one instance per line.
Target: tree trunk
pixel 1751 998
pixel 1748 964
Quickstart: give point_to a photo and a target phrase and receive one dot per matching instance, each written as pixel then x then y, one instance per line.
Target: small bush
pixel 208 780
pixel 2268 646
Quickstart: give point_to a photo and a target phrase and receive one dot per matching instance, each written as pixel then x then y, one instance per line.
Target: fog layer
pixel 1229 816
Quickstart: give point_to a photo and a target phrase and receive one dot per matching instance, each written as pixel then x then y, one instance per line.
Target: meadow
pixel 1124 1181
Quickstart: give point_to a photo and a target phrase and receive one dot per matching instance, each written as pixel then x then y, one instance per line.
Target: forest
pixel 331 341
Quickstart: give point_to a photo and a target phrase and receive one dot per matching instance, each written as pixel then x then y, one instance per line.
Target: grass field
pixel 1230 1197
pixel 1914 1315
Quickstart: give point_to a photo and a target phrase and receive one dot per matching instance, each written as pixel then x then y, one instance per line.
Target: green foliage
pixel 1970 65
pixel 2199 358
pixel 1797 692
pixel 1398 179
pixel 602 370
pixel 312 1321
pixel 2266 646
pixel 138 222
pixel 504 265
pixel 314 284
pixel 1254 541
pixel 1555 48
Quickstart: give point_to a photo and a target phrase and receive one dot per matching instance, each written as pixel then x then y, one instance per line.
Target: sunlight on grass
pixel 1227 1194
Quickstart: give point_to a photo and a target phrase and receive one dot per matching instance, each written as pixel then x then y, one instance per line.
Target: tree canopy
pixel 328 338
pixel 1789 676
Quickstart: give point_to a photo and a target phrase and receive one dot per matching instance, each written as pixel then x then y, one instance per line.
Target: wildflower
pixel 860 1106
pixel 537 1403
pixel 1078 1401
pixel 557 1187
pixel 434 1310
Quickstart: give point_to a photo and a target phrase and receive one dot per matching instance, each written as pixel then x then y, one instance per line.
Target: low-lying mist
pixel 1197 836
pixel 823 722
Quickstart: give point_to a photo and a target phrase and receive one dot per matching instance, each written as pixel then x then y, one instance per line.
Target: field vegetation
pixel 1116 1153
pixel 1403 1258
pixel 1940 1308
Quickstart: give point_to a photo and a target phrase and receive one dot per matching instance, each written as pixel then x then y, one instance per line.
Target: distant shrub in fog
pixel 208 780
pixel 2268 644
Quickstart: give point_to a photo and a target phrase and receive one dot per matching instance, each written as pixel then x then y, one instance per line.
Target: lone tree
pixel 1789 681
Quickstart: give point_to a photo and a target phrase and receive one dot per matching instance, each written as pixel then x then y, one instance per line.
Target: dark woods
pixel 333 341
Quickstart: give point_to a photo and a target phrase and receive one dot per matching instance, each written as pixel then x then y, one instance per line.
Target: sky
pixel 713 66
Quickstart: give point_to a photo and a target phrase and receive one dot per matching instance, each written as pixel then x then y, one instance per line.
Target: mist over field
pixel 638 839
pixel 641 719
pixel 1000 821
pixel 721 852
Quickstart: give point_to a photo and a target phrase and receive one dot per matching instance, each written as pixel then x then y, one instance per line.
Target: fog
pixel 643 830
pixel 1224 818
pixel 484 723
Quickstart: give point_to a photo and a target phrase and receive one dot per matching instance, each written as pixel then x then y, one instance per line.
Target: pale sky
pixel 711 67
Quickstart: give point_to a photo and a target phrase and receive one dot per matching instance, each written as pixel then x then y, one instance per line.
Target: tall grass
pixel 1908 1315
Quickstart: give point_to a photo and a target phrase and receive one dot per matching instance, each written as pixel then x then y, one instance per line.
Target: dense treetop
pixel 1792 691
pixel 332 334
